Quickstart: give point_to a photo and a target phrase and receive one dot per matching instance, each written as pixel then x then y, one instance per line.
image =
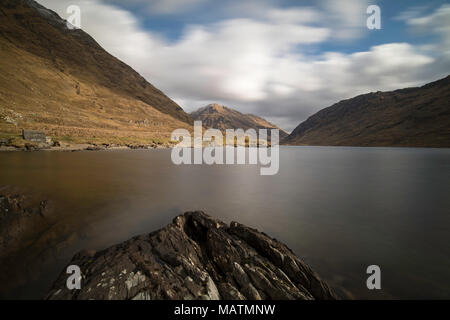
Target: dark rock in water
pixel 19 214
pixel 194 257
pixel 4 142
pixel 94 148
pixel 34 136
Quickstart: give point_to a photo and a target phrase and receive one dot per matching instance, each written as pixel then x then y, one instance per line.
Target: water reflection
pixel 341 209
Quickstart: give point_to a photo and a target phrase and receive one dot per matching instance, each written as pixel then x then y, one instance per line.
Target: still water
pixel 340 209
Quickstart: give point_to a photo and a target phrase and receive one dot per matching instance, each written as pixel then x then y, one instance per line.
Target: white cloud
pixel 165 7
pixel 261 65
pixel 294 15
pixel 171 6
pixel 347 18
pixel 410 13
pixel 229 60
pixel 116 30
pixel 437 23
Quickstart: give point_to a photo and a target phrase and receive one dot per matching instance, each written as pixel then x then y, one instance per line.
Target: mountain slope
pixel 63 82
pixel 414 117
pixel 222 118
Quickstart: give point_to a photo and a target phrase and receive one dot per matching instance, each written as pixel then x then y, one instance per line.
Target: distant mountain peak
pixel 215 106
pixel 221 117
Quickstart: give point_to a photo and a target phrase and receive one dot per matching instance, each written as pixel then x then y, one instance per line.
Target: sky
pixel 282 60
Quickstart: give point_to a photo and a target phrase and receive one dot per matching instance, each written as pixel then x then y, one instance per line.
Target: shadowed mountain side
pixel 412 117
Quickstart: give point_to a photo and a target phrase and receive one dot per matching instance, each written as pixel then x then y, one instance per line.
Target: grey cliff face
pixel 194 257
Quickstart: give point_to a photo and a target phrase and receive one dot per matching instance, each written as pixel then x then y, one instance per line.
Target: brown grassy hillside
pixel 61 81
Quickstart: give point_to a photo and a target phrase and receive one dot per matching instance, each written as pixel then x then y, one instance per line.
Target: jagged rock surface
pixel 194 257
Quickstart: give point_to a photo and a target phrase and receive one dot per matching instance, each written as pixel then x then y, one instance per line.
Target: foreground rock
pixel 194 257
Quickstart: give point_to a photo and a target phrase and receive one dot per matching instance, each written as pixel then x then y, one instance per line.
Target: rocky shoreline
pixel 194 257
pixel 33 140
pixel 80 147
